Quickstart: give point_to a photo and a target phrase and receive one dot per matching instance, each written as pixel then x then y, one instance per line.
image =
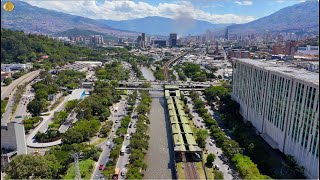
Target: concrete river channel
pixel 159 157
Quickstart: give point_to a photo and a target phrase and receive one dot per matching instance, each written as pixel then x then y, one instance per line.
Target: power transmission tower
pixel 77 175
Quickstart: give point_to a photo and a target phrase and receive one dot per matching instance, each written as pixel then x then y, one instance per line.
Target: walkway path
pixel 44 125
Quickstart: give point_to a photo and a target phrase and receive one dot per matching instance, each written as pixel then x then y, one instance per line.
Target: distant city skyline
pixel 214 11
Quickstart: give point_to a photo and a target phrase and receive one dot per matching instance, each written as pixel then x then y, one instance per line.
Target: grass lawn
pixel 210 173
pixel 55 104
pixel 84 167
pixel 100 140
pixel 200 170
pixel 180 171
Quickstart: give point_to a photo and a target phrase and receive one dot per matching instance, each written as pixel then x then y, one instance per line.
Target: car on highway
pixel 123 172
pixel 101 167
pixel 210 143
pixel 112 130
pixel 127 136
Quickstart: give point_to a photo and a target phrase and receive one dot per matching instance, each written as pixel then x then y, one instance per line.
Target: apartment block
pixel 282 103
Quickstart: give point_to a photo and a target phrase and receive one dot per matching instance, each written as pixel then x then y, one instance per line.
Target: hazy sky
pixel 214 11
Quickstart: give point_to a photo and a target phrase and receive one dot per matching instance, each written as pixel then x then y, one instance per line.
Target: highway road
pixel 225 166
pixel 9 92
pixel 124 159
pixel 6 115
pixel 22 106
pixel 6 91
pixel 104 156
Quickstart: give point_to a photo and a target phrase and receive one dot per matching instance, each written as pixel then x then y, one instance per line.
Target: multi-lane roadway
pixel 8 92
pixel 168 63
pixel 124 158
pixel 104 157
pixel 220 161
pixel 21 111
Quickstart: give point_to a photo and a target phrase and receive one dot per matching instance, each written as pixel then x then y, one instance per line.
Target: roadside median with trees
pixel 256 152
pixel 229 147
pixel 139 141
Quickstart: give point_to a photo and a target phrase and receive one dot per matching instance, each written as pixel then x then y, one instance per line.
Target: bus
pixel 116 173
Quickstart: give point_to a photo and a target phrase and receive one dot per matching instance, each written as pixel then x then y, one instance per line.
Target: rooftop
pixel 294 73
pixel 174 87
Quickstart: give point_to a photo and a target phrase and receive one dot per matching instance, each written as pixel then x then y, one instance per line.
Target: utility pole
pixel 77 175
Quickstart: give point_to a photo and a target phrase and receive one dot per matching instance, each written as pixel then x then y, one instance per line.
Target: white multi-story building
pixel 15 67
pixel 309 50
pixel 282 103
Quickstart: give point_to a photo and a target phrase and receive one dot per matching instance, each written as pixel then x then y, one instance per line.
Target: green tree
pixel 53 164
pixel 201 135
pixel 71 105
pixel 72 136
pixel 134 173
pixel 212 92
pixel 35 107
pixel 146 85
pixel 7 81
pixel 210 158
pixel 26 166
pixel 218 174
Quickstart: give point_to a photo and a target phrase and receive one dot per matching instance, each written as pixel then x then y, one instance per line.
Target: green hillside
pixel 83 32
pixel 17 47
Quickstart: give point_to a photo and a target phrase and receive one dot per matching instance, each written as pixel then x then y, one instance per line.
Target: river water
pixel 160 156
pixel 147 73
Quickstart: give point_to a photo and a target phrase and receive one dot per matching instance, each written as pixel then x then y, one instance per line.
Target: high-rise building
pixel 290 48
pixel 173 39
pixel 143 39
pixel 226 35
pixel 96 39
pixel 278 49
pixel 139 40
pixel 282 103
pixel 120 41
pixel 159 43
pixel 309 50
pixel 239 53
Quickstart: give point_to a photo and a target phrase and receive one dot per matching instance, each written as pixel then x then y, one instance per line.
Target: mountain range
pixel 32 19
pixel 163 26
pixel 302 17
pixel 299 18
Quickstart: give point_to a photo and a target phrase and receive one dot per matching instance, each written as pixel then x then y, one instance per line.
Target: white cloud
pixel 244 3
pixel 280 1
pixel 123 10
